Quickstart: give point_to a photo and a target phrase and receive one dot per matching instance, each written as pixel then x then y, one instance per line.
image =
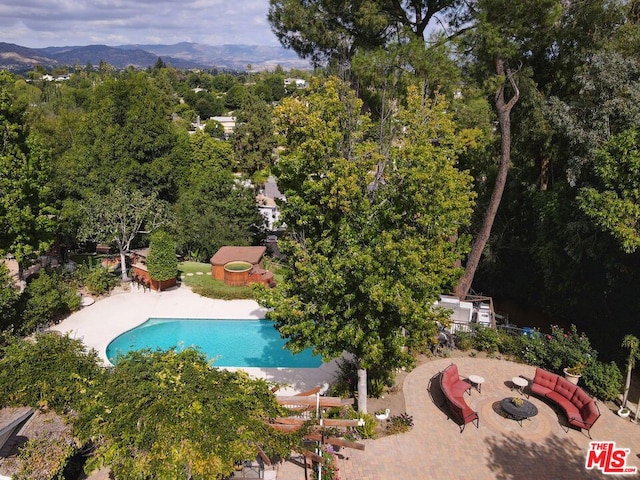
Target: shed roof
pixel 228 254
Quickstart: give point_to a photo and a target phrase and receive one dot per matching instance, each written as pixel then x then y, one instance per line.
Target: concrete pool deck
pixel 98 324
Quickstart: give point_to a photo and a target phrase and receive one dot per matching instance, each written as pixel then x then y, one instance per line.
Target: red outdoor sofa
pixel 454 388
pixel 581 409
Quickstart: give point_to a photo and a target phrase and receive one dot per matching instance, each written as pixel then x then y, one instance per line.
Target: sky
pixel 59 23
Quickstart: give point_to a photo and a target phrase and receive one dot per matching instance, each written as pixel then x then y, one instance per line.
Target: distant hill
pixel 17 58
pixel 94 53
pixel 235 57
pixel 181 55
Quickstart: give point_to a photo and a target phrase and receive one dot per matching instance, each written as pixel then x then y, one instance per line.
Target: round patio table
pixel 476 381
pixel 519 413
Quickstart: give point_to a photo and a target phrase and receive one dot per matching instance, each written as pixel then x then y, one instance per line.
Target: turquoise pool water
pixel 230 343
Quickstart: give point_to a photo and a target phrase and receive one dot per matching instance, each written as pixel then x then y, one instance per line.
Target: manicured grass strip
pixel 194 267
pixel 209 287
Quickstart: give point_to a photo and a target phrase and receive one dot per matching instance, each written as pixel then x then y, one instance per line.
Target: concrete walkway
pixel 499 449
pixel 98 324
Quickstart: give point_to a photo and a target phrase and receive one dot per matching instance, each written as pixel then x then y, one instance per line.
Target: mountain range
pixel 180 55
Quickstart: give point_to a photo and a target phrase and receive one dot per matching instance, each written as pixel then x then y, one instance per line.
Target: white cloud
pixel 41 23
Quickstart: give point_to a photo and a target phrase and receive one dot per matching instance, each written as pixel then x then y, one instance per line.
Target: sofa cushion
pixel 459 388
pixel 589 413
pixel 545 379
pixel 565 388
pixel 450 375
pixel 580 398
pixel 563 403
pixel 446 379
pixel 540 390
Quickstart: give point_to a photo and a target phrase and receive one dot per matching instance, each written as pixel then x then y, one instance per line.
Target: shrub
pixel 367 429
pixel 47 296
pixel 464 341
pixel 565 349
pixel 49 371
pixel 98 280
pixel 603 380
pixel 486 340
pixel 511 345
pixel 532 351
pixel 223 292
pixel 45 458
pixel 399 423
pixel 346 380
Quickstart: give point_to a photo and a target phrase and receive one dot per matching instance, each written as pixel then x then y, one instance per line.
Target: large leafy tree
pixel 182 418
pixel 332 32
pixel 214 207
pixel 369 241
pixel 253 140
pixel 126 136
pixel 119 217
pixel 26 211
pixel 502 37
pixel 614 203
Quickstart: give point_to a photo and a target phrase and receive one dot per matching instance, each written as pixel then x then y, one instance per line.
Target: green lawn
pixel 207 286
pixel 90 259
pixel 194 267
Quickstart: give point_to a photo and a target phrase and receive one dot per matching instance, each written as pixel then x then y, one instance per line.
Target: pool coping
pixel 98 324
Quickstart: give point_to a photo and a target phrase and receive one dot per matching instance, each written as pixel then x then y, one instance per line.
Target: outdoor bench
pixel 580 408
pixel 454 388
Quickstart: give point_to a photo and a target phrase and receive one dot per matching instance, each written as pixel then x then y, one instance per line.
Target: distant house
pixel 269 210
pixel 197 125
pixel 228 124
pixel 267 203
pixel 298 82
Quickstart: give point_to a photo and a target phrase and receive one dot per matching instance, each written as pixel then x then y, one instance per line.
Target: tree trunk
pixel 504 121
pixel 123 266
pixel 362 390
pixel 627 385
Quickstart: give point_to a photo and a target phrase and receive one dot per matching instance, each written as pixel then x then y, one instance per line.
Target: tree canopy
pixel 370 240
pixel 26 203
pixel 119 217
pixel 182 418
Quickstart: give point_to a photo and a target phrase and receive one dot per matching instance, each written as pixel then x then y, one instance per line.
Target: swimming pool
pixel 229 343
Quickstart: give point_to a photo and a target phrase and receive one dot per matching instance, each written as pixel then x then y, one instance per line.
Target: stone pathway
pixel 499 449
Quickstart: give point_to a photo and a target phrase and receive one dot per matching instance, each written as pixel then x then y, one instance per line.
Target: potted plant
pixel 517 401
pixel 633 344
pixel 573 374
pixel 624 412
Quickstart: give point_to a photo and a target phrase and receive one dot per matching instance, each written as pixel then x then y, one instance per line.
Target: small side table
pixel 520 384
pixel 476 381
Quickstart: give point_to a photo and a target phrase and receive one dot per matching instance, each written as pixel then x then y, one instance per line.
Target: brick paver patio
pixel 499 449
